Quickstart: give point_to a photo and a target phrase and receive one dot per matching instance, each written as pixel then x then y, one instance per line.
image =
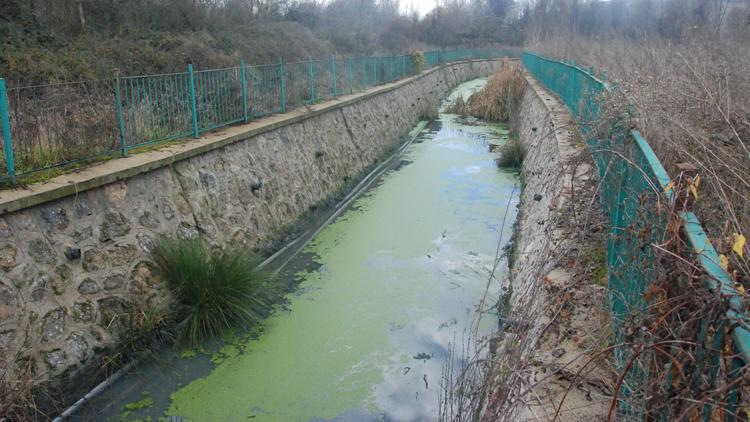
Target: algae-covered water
pixel 383 292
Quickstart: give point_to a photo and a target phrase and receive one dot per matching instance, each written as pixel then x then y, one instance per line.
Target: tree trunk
pixel 81 16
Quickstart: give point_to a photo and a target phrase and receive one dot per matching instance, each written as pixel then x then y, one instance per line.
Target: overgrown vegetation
pixel 682 80
pixel 680 71
pixel 215 289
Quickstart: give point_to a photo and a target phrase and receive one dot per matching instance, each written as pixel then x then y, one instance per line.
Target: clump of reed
pixel 500 97
pixel 458 106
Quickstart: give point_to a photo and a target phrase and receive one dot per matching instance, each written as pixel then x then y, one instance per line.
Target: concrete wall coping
pixel 100 174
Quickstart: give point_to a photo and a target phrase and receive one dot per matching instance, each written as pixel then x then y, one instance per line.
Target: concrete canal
pixel 383 293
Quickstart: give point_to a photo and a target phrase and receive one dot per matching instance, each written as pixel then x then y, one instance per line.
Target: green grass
pixel 217 289
pixel 45 175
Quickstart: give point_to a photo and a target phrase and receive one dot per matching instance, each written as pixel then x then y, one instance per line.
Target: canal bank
pixel 547 363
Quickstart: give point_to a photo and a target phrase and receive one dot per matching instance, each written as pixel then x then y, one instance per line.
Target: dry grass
pixel 500 97
pixel 22 395
pixel 692 102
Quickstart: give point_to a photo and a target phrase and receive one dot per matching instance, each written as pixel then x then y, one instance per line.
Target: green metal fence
pixel 56 125
pixel 636 196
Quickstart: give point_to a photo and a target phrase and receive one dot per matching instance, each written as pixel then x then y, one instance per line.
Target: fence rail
pixel 634 191
pixel 57 125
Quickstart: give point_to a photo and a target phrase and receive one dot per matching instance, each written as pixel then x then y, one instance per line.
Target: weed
pixel 512 153
pixel 419 61
pixel 17 390
pixel 216 289
pixel 144 327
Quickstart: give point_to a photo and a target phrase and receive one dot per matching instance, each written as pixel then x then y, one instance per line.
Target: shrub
pixel 216 289
pixel 511 153
pixel 419 61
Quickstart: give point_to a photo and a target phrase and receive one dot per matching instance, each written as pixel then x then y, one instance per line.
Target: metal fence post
pixel 312 81
pixel 283 95
pixel 351 78
pixel 250 93
pixel 363 71
pixel 10 162
pixel 333 73
pixel 244 92
pixel 193 107
pixel 120 120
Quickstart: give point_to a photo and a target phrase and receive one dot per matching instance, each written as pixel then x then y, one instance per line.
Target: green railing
pixel 55 125
pixel 637 196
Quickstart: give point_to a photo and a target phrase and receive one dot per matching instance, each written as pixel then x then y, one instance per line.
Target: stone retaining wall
pixel 555 316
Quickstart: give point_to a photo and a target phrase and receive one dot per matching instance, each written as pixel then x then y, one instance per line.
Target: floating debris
pixel 423 357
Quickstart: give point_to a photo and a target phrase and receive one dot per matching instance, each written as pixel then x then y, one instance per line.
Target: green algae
pixel 140 404
pixel 128 408
pixel 396 276
pixel 189 353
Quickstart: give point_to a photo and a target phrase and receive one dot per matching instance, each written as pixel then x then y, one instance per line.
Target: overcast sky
pixel 424 6
pixel 421 6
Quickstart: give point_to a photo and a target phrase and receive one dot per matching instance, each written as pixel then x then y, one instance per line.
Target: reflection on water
pixel 384 291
